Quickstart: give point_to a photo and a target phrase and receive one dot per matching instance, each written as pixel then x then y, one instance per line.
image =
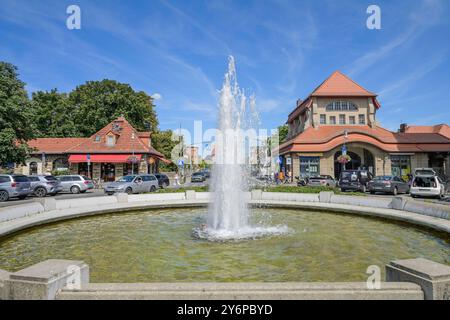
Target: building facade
pixel 114 151
pixel 340 117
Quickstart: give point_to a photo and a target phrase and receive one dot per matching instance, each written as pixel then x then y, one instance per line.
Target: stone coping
pixel 50 210
pixel 244 291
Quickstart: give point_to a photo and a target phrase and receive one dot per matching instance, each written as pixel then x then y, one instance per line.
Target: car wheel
pixel 165 185
pixel 129 191
pixel 372 192
pixel 75 190
pixel 395 192
pixel 4 196
pixel 152 189
pixel 343 190
pixel 40 192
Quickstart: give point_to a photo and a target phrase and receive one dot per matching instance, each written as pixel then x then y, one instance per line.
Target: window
pixel 362 119
pixel 146 178
pixel 4 179
pixel 76 178
pixel 323 119
pixel 21 179
pixel 332 120
pixel 97 138
pixel 352 120
pixel 342 119
pixel 309 166
pixel 342 106
pixel 110 141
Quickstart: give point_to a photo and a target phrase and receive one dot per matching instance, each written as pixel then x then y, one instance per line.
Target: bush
pixel 308 189
pixel 60 173
pixel 181 190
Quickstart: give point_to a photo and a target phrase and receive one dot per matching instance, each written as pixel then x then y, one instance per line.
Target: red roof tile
pixel 339 84
pixel 326 138
pixel 54 145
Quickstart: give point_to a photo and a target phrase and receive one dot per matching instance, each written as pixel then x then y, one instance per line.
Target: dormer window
pixel 97 138
pixel 342 106
pixel 110 141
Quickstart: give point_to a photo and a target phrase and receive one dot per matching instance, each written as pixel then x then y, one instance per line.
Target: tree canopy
pixel 16 126
pixel 53 114
pixel 97 103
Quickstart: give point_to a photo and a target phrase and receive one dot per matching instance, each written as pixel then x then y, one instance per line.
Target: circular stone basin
pixel 159 246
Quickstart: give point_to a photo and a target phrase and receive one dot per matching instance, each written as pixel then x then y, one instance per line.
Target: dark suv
pixel 355 180
pixel 163 180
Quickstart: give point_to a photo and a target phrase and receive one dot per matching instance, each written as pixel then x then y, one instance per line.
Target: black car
pixel 163 180
pixel 355 180
pixel 206 173
pixel 198 177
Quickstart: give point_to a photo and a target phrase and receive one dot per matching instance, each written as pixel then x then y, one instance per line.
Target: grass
pixel 286 189
pixel 295 189
pixel 181 190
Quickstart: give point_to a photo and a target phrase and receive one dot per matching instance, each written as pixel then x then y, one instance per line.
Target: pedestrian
pixel 177 179
pixel 276 178
pixel 281 177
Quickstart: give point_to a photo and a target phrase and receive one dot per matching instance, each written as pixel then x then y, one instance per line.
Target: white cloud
pixel 157 96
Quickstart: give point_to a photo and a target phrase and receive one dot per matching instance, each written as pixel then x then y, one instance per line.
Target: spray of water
pixel 228 217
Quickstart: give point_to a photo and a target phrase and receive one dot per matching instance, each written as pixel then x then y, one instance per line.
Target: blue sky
pixel 283 50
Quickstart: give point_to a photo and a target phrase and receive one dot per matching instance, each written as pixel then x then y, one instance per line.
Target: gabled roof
pixel 128 140
pixel 338 84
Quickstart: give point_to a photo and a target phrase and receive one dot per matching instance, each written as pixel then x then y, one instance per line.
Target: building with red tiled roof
pixel 341 112
pixel 116 150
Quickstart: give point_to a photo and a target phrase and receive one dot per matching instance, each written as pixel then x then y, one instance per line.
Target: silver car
pixel 322 181
pixel 14 186
pixel 133 184
pixel 76 184
pixel 45 185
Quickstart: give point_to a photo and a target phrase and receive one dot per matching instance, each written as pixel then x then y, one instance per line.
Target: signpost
pixel 88 158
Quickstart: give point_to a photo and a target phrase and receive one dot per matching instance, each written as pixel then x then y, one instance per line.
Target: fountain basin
pixel 158 246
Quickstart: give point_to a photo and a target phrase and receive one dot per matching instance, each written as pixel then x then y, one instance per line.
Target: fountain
pixel 228 216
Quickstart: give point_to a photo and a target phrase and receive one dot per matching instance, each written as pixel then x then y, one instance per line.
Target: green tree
pixel 15 117
pixel 283 133
pixel 163 142
pixel 97 103
pixel 53 114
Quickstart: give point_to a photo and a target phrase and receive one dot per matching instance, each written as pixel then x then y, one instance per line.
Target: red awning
pixel 105 158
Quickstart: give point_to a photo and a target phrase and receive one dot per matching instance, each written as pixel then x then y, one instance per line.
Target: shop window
pixel 401 166
pixel 309 166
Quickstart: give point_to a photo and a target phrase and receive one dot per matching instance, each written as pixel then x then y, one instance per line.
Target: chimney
pixel 403 128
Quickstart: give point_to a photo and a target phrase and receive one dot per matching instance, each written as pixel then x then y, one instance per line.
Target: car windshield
pixel 424 172
pixel 198 174
pixel 383 178
pixel 126 179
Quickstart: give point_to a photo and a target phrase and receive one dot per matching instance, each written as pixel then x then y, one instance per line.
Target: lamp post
pixel 132 157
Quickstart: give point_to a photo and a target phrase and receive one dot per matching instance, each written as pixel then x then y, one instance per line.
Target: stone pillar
pixel 119 169
pixel 44 280
pixel 434 278
pixel 96 170
pixel 4 288
pixel 143 167
pixel 295 165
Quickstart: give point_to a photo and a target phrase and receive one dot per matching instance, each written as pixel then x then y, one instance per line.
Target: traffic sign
pixel 180 163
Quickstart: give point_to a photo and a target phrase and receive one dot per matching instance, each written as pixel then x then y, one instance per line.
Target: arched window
pixel 342 106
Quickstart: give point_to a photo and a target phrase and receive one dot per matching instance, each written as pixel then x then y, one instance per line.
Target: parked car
pixel 163 180
pixel 322 181
pixel 198 177
pixel 14 186
pixel 355 180
pixel 76 184
pixel 45 185
pixel 388 184
pixel 428 186
pixel 207 173
pixel 133 184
